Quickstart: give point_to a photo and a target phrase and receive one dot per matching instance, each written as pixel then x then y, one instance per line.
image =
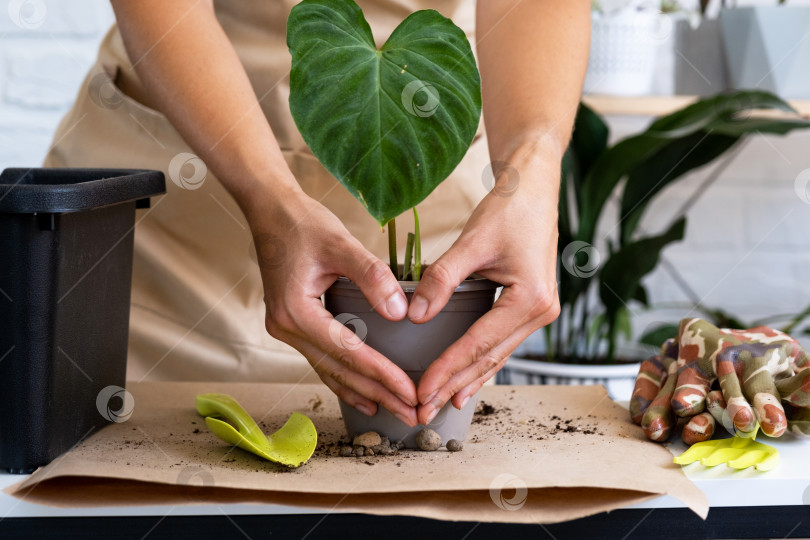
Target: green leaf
pixel 621 275
pixel 389 124
pixel 623 325
pixel 595 328
pixel 658 335
pixel 588 141
pixel 564 220
pixel 589 138
pixel 641 296
pixel 719 116
pixel 725 106
pixel 663 167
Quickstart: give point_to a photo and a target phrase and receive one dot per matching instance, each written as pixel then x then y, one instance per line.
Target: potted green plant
pixel 390 124
pixel 600 274
pixel 766 48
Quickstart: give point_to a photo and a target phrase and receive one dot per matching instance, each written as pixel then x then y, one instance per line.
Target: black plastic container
pixel 65 281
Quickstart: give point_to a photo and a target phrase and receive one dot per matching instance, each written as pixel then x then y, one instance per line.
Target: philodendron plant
pixel 390 123
pixel 595 292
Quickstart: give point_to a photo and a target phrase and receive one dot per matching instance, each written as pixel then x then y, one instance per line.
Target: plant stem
pixel 560 346
pixel 583 326
pixel 549 341
pixel 571 346
pixel 392 247
pixel 408 257
pixel 417 248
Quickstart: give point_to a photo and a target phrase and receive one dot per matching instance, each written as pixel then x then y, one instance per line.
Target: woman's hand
pixel 302 248
pixel 511 239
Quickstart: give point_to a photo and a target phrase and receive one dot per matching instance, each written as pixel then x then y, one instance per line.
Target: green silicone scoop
pixel 292 445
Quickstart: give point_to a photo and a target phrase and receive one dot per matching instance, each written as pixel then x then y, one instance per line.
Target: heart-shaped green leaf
pixel 389 124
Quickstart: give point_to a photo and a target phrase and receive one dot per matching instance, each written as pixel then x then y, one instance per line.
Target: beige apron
pixel 197 308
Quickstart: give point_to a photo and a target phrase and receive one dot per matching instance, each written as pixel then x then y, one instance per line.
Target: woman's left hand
pixel 511 238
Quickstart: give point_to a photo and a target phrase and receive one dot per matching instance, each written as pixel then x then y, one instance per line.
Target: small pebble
pixel 368 439
pixel 346 451
pixel 369 451
pixel 360 451
pixel 454 446
pixel 428 440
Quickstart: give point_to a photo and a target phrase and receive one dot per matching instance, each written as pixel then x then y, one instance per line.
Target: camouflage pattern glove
pixel 759 366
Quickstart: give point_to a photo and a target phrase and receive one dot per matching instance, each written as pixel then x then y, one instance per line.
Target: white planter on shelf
pixel 768 47
pixel 623 52
pixel 619 379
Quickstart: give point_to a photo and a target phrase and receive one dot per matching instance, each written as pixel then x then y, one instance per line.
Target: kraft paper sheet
pixel 547 454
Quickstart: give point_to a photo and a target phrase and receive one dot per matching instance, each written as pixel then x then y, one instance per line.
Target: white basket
pixel 623 52
pixel 619 379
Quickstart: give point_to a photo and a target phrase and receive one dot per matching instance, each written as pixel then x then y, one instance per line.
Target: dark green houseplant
pixel 595 294
pixel 390 124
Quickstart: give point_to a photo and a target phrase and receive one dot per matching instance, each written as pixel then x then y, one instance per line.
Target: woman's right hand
pixel 302 248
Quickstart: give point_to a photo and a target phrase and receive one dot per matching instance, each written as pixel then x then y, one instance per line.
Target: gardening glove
pixel 772 366
pixel 302 248
pixel 746 364
pixel 511 238
pixel 651 403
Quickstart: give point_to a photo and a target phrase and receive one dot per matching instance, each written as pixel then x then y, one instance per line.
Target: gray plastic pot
pixel 412 347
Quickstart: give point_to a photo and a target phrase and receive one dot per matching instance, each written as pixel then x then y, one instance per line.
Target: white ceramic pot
pixel 766 48
pixel 623 52
pixel 617 378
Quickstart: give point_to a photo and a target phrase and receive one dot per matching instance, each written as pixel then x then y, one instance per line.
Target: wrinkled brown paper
pixel 516 466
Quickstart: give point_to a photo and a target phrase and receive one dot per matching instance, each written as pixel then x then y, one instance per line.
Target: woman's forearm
pixel 532 57
pixel 191 71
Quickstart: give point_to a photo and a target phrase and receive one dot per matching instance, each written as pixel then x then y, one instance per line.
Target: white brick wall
pixel 46 48
pixel 747 241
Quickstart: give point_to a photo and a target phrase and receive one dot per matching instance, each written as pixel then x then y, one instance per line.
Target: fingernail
pixel 397 306
pixel 404 419
pixel 430 397
pixel 365 409
pixel 464 402
pixel 408 401
pixel 436 408
pixel 418 308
